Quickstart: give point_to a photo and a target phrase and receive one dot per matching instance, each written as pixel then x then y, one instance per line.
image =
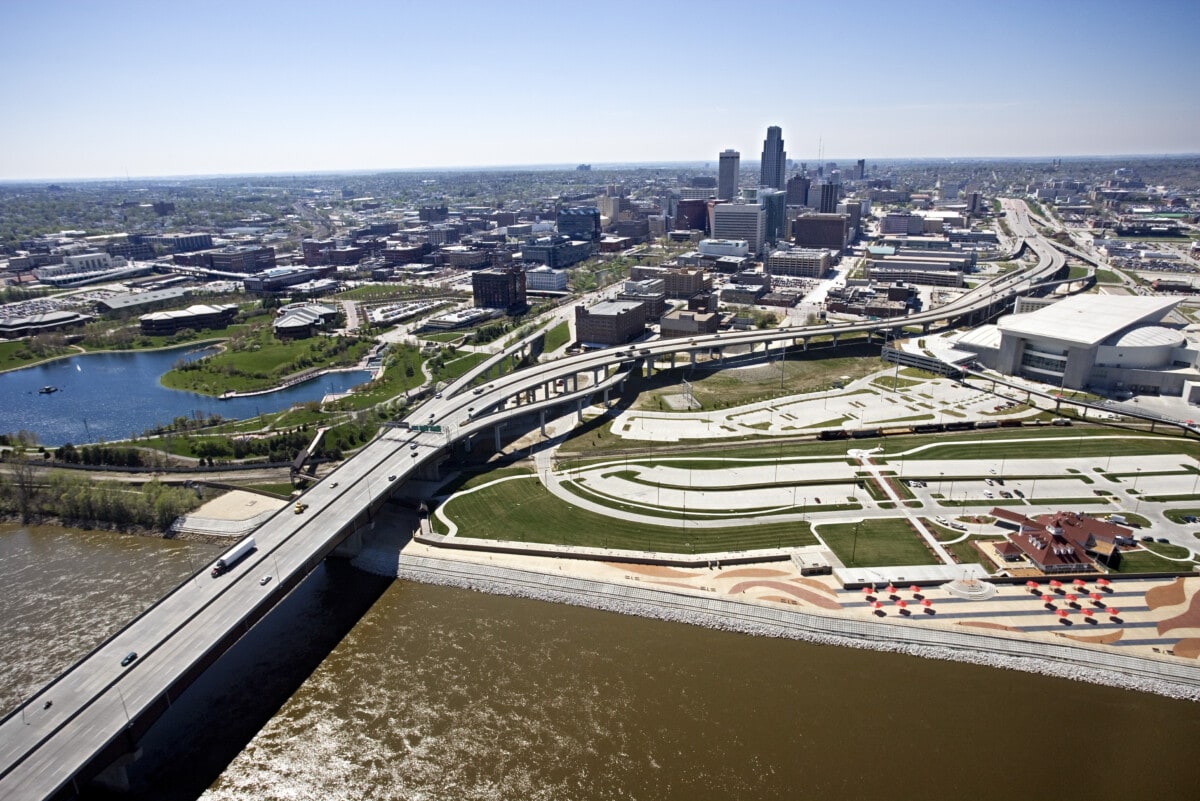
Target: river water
pixel 109 396
pixel 366 688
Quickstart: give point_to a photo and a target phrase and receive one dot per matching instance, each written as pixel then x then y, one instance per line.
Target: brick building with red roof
pixel 1061 542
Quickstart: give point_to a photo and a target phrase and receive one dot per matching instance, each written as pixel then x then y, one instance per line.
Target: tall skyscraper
pixel 774 159
pixel 861 169
pixel 727 174
pixel 797 190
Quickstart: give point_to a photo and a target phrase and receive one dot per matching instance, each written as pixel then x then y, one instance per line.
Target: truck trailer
pixel 233 556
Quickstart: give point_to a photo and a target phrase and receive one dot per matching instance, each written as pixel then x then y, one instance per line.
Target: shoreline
pixel 83 352
pixel 760 620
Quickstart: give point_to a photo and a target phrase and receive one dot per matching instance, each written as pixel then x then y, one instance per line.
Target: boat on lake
pixel 46 390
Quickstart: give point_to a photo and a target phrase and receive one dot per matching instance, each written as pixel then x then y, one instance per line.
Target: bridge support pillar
pixel 925 329
pixel 542 421
pixel 692 358
pixel 673 355
pixel 496 437
pixel 647 369
pixel 721 356
pixel 606 389
pixel 578 413
pixel 595 376
pixel 835 336
pixel 574 382
pixel 116 776
pixel 803 343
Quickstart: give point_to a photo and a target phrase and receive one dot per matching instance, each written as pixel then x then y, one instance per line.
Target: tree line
pixel 82 501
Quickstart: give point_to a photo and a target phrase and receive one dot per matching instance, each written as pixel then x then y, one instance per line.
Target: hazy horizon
pixel 132 88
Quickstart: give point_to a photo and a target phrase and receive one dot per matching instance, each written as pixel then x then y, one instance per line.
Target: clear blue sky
pixel 117 87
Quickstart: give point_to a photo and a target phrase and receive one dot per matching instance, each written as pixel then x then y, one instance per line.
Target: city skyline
pixel 140 89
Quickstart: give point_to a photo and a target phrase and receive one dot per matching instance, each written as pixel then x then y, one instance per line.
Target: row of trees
pixel 80 500
pixel 110 455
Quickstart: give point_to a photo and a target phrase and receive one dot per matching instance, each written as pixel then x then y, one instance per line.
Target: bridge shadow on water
pixel 191 744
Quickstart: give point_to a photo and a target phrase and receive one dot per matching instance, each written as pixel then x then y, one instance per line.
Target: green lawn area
pixel 522 510
pixel 1148 562
pixel 1166 549
pixel 966 553
pixel 879 543
pixel 1076 271
pixel 1107 277
pixel 722 389
pixel 557 336
pixel 17 354
pixel 257 360
pixel 444 336
pixel 455 369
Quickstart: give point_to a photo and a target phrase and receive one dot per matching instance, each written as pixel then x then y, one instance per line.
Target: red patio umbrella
pixel 1063 613
pixel 1087 613
pixel 926 602
pixel 1033 585
pixel 902 604
pixel 913 588
pixel 1048 599
pixel 877 604
pixel 891 590
pixel 1071 597
pixel 1079 582
pixel 1113 612
pixel 867 590
pixel 1103 582
pixel 1095 596
pixel 1055 583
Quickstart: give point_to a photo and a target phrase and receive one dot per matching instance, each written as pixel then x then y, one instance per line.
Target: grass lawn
pixel 456 368
pixel 257 360
pixel 1077 271
pixel 444 336
pixel 557 336
pixel 16 354
pixel 1147 562
pixel 1167 549
pixel 967 554
pixel 522 510
pixel 1107 277
pixel 1176 515
pixel 722 389
pixel 879 543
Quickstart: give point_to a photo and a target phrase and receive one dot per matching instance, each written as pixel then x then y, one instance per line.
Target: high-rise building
pixel 499 289
pixel 727 174
pixel 774 202
pixel 824 196
pixel 746 221
pixel 774 159
pixel 860 169
pixel 821 231
pixel 581 223
pixel 797 190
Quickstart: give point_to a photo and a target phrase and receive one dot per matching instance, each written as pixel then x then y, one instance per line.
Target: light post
pixel 854 545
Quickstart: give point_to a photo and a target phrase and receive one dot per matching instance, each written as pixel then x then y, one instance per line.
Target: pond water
pixel 109 396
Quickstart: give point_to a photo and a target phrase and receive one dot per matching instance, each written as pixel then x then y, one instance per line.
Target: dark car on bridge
pixel 129 659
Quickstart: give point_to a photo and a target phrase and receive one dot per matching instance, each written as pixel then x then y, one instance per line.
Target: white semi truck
pixel 233 556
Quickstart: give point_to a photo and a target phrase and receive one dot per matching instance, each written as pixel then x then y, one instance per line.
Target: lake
pixel 112 396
